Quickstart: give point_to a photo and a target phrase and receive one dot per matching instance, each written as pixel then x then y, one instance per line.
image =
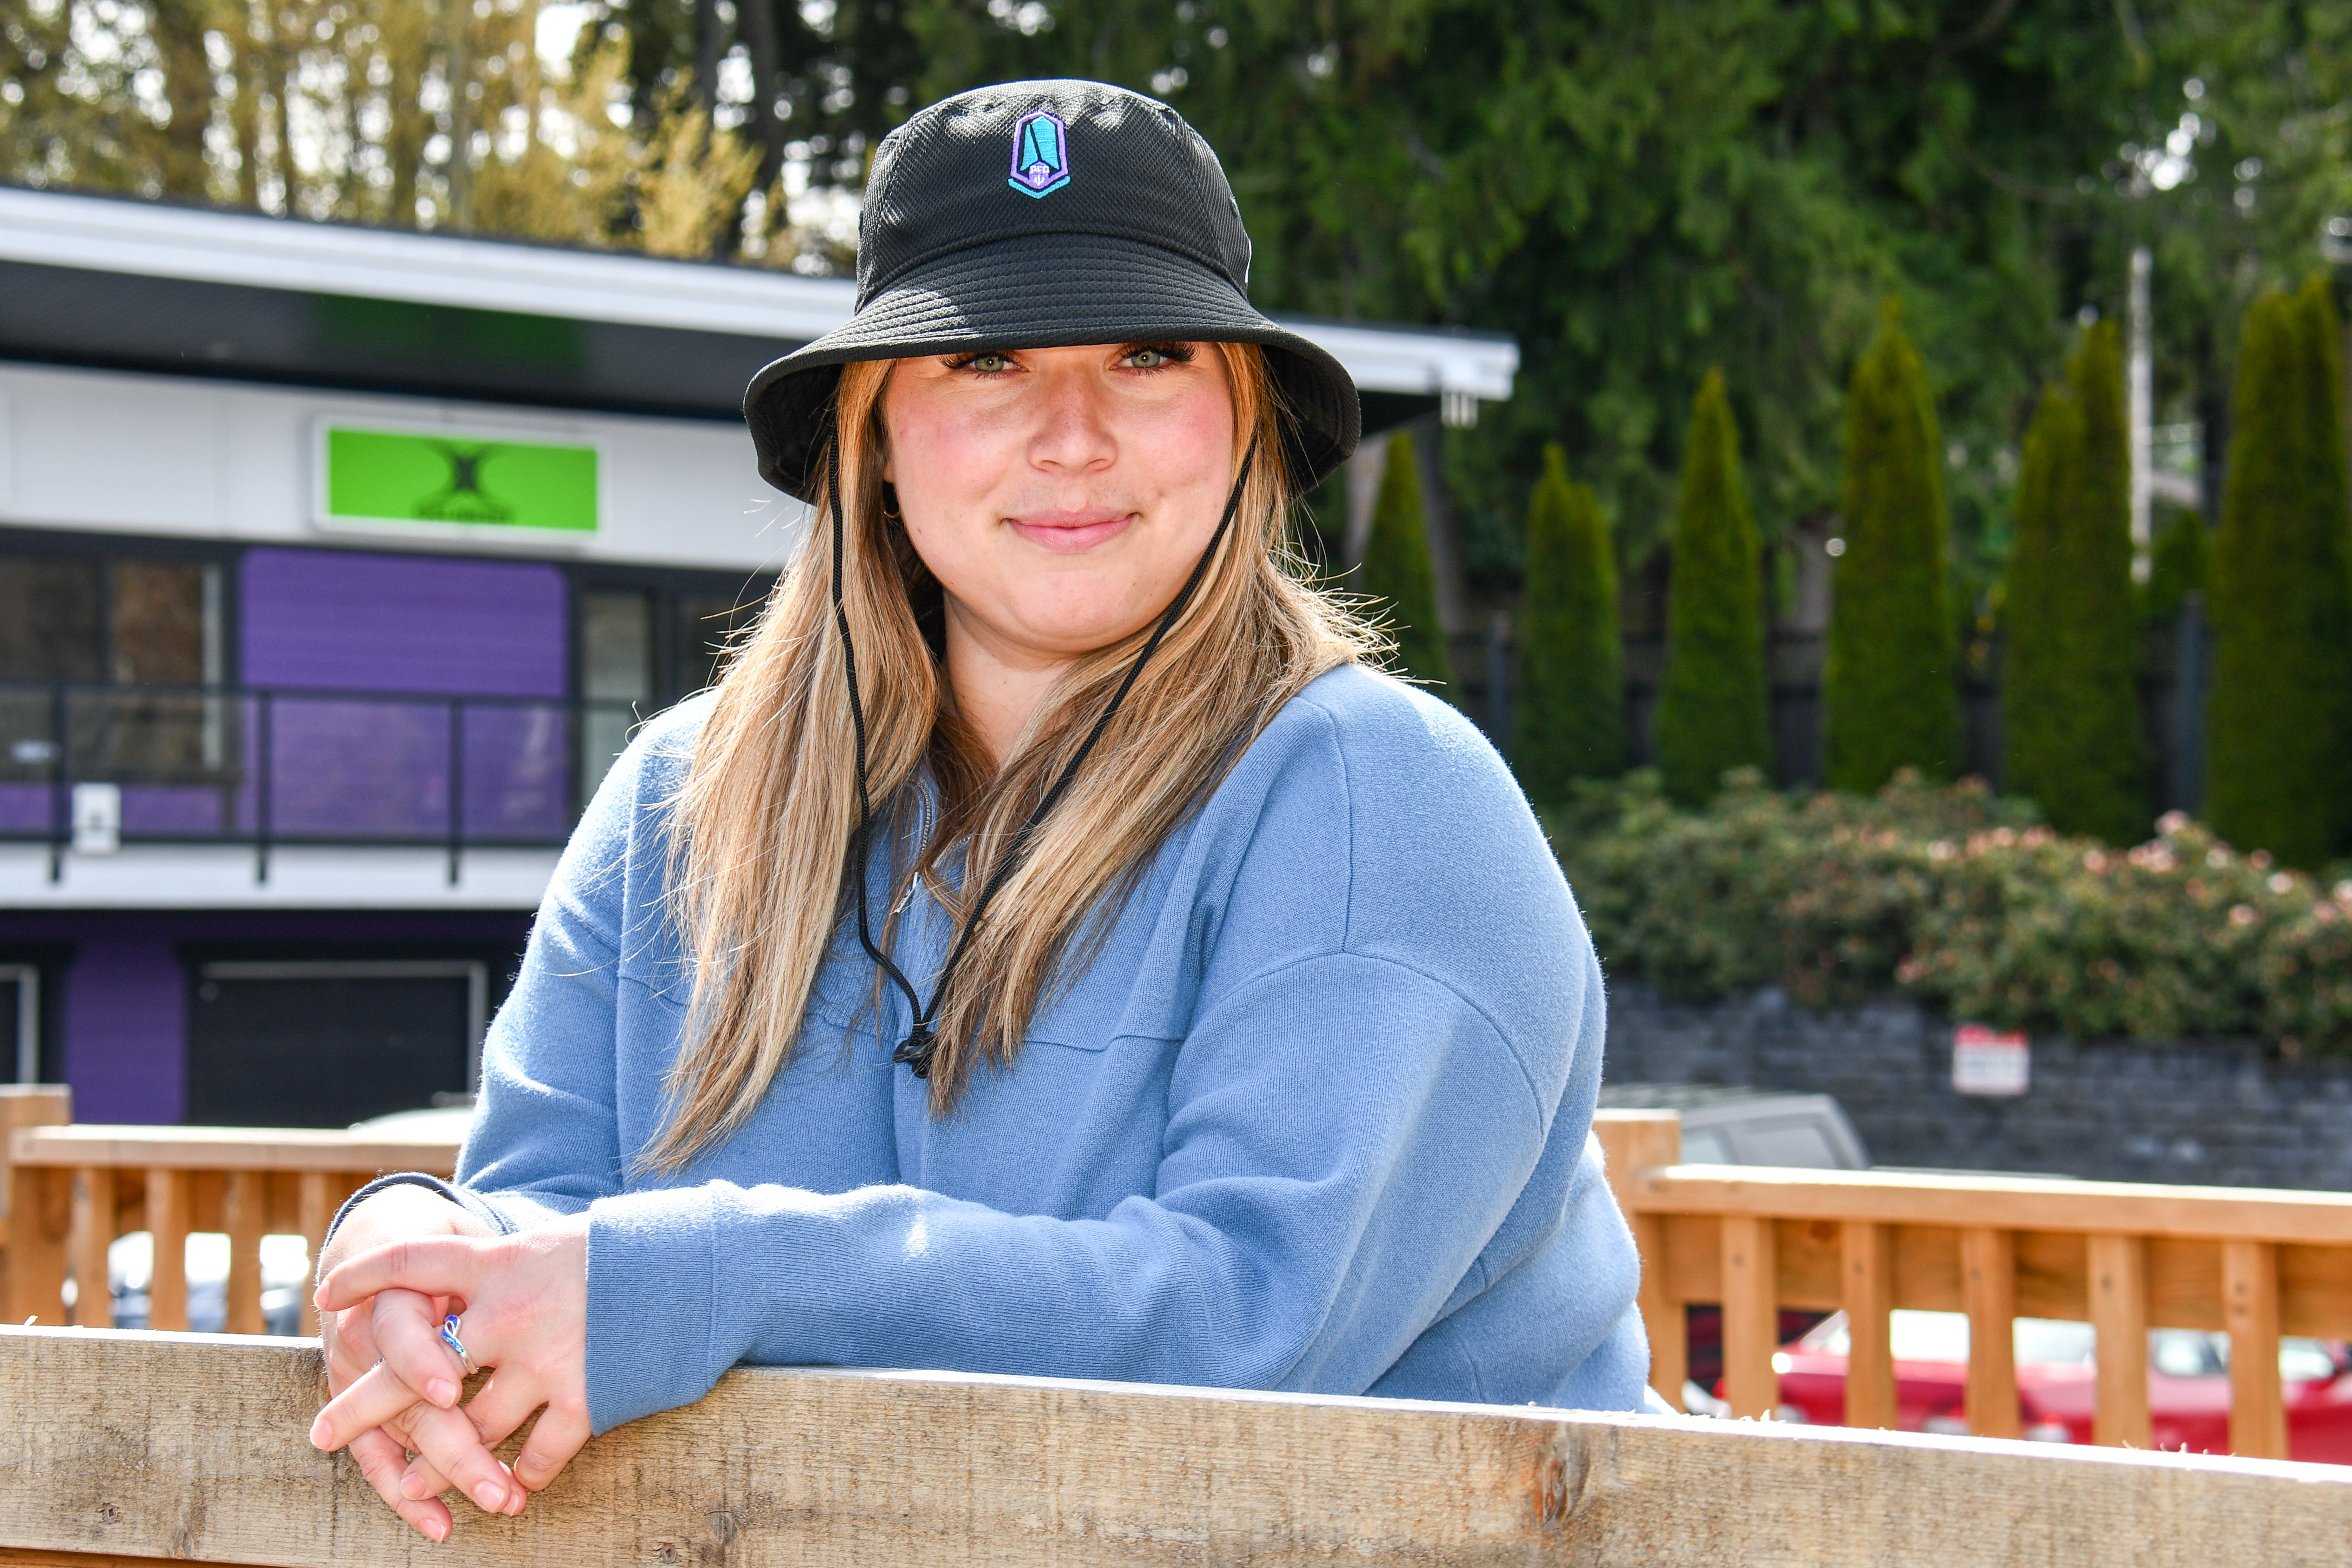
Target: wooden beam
pixel 2001 1203
pixel 319 1195
pixel 2250 1302
pixel 2119 1316
pixel 244 1204
pixel 1633 1141
pixel 1752 1317
pixel 1989 1281
pixel 167 1225
pixel 1868 1252
pixel 32 1223
pixel 93 1228
pixel 230 1148
pixel 179 1445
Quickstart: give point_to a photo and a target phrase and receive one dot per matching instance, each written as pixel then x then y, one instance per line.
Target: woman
pixel 1051 949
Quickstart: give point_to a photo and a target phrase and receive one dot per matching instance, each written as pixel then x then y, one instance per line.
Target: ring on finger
pixel 457 1346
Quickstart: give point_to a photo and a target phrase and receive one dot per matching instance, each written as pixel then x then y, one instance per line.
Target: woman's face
pixel 1061 495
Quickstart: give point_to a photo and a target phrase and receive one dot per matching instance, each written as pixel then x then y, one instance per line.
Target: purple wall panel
pixel 359 770
pixel 337 619
pixel 171 811
pixel 516 773
pixel 25 807
pixel 123 1020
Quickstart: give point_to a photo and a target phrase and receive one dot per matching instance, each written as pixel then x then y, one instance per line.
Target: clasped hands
pixel 399 1264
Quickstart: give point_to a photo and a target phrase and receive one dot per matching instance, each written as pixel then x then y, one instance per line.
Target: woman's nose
pixel 1073 434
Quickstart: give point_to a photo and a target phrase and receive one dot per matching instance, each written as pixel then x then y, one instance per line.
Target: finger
pixel 380 1460
pixel 377 1399
pixel 550 1445
pixel 431 1265
pixel 448 1443
pixel 408 1338
pixel 503 1405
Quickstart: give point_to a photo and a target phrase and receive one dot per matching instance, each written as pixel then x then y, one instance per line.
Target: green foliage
pixel 1714 714
pixel 1397 573
pixel 1890 697
pixel 2279 720
pixel 2176 567
pixel 1569 709
pixel 2069 696
pixel 1964 901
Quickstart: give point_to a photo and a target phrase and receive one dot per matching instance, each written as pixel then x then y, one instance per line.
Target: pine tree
pixel 1568 719
pixel 2279 720
pixel 1397 576
pixel 2070 699
pixel 1713 714
pixel 1889 695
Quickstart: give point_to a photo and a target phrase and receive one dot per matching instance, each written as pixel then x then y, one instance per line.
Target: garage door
pixel 313 1044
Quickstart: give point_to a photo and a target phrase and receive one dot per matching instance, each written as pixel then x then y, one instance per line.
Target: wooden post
pixel 244 1205
pixel 1867 1253
pixel 2119 1269
pixel 32 1261
pixel 2250 1307
pixel 1634 1140
pixel 314 1206
pixel 93 1228
pixel 167 1223
pixel 1989 1291
pixel 1751 1316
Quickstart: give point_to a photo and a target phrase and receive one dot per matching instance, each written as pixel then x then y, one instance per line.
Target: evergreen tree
pixel 2278 765
pixel 1568 719
pixel 2070 697
pixel 1713 710
pixel 1889 697
pixel 1397 576
pixel 2176 567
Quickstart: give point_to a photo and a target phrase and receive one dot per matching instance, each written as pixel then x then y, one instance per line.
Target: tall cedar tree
pixel 1569 713
pixel 1889 696
pixel 1713 711
pixel 2279 718
pixel 1397 573
pixel 2070 697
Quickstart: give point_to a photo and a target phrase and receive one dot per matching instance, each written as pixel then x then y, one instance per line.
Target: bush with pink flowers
pixel 1965 900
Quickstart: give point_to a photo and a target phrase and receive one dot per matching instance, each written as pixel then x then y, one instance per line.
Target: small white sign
pixel 1989 1061
pixel 97 818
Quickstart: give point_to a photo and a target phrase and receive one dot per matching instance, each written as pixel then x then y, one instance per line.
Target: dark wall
pixel 2224 1113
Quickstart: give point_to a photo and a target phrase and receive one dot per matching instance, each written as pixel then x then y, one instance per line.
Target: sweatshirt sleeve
pixel 1350 1127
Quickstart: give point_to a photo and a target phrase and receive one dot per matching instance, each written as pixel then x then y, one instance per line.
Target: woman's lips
pixel 1068 533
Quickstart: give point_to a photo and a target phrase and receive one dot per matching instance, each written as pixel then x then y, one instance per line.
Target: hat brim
pixel 1024 294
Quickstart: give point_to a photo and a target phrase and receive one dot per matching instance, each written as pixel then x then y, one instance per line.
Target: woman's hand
pixel 524 1301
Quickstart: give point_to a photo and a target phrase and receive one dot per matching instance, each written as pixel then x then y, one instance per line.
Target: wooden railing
pixel 2126 1257
pixel 124 1446
pixel 68 1191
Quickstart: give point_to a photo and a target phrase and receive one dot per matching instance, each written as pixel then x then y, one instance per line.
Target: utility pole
pixel 2140 391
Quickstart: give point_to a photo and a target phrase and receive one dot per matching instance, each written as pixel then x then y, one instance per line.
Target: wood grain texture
pixel 1867 1255
pixel 1634 1140
pixel 33 1264
pixel 244 1214
pixel 2118 1267
pixel 1988 1283
pixel 2250 1304
pixel 94 1225
pixel 1751 1317
pixel 136 1445
pixel 229 1149
pixel 2002 1203
pixel 166 1203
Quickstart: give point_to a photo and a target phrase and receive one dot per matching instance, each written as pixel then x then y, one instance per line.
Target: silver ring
pixel 457 1346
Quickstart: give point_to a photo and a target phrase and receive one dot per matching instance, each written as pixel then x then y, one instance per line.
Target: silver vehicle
pixel 1750 1126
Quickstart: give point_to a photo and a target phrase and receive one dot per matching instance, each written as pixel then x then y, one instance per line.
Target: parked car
pixel 2057 1374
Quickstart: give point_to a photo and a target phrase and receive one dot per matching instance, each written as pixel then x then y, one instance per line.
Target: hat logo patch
pixel 1041 153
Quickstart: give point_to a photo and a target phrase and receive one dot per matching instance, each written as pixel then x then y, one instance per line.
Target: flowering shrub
pixel 1966 901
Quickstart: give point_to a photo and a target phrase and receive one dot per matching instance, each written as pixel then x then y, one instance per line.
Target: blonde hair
pixel 761 831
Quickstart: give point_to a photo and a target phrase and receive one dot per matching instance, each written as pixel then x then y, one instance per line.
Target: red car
pixel 2187 1383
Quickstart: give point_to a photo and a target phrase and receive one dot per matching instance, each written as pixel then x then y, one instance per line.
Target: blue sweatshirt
pixel 1315 1118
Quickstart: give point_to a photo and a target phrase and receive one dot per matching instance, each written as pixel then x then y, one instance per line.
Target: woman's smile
pixel 1072 532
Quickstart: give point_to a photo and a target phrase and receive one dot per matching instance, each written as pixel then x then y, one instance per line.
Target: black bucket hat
pixel 1045 215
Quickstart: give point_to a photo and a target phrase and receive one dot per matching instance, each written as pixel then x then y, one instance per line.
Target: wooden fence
pixel 67 1190
pixel 129 1445
pixel 2126 1257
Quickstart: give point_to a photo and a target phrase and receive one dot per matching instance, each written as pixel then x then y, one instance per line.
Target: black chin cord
pixel 921 1045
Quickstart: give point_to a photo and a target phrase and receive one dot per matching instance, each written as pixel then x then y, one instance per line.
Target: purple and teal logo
pixel 1041 153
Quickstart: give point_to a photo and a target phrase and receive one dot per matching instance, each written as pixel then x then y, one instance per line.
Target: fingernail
pixel 437 1529
pixel 412 1487
pixel 492 1496
pixel 441 1392
pixel 321 1434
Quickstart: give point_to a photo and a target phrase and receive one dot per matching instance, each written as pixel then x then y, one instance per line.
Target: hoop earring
pixel 889 494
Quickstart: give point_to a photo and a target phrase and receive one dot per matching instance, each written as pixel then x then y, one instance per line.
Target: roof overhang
pixel 112 281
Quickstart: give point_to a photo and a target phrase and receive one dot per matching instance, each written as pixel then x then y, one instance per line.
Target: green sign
pixel 391 476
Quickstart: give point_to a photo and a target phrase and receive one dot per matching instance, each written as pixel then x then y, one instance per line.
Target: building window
pixel 646 643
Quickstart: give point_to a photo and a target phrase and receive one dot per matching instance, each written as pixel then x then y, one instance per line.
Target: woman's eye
pixel 988 365
pixel 1149 359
